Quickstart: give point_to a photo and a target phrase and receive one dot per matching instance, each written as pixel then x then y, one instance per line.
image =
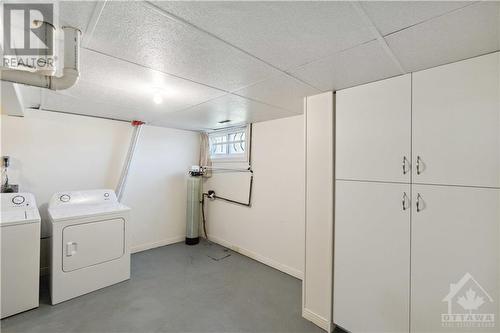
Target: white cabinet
pixel 318 271
pixel 372 256
pixel 455 240
pixel 411 270
pixel 373 131
pixel 456 123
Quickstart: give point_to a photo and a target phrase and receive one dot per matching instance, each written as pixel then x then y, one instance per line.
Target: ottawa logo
pixel 471 298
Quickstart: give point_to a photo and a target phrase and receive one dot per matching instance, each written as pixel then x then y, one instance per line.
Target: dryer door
pixel 92 243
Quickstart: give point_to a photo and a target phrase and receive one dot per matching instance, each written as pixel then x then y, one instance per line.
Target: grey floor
pixel 179 288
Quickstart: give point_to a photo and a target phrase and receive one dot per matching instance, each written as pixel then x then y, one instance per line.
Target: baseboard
pixel 267 261
pixel 148 246
pixel 317 320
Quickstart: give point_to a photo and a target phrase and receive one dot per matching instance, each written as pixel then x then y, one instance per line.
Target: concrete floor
pixel 178 288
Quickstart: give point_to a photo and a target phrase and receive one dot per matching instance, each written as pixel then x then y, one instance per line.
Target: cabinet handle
pixel 418 165
pixel 403 201
pixel 419 205
pixel 405 161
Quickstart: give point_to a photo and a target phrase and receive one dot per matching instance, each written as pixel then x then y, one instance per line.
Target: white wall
pixel 53 152
pixel 272 230
pixel 157 187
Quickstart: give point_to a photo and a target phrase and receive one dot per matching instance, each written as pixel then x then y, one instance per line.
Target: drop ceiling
pixel 253 61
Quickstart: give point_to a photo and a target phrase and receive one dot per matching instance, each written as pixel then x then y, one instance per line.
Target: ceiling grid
pixel 369 23
pixel 256 61
pixel 189 24
pixel 92 24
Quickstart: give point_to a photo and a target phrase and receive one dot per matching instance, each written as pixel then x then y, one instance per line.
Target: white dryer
pixel 20 239
pixel 90 246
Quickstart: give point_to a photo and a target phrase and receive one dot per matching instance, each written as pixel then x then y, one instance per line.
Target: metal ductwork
pixel 71 70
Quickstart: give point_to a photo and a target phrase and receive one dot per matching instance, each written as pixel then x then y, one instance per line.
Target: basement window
pixel 229 145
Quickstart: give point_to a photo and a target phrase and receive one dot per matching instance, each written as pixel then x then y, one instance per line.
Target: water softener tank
pixel 194 192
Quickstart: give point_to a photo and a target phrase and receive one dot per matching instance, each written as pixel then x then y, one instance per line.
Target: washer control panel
pixel 83 198
pixel 65 198
pixel 13 200
pixel 18 200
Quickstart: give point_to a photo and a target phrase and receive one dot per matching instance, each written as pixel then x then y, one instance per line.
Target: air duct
pixel 70 71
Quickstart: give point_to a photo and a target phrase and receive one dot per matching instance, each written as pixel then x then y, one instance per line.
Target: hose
pixel 203 215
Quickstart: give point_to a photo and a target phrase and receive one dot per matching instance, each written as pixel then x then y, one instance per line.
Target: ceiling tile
pixel 283 91
pixel 63 102
pixel 285 34
pixel 361 64
pixel 229 107
pixel 390 16
pixel 135 32
pixel 118 82
pixel 106 82
pixel 465 33
pixel 76 13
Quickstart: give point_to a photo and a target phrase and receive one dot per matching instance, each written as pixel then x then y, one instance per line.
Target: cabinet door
pixel 372 257
pixel 455 257
pixel 373 130
pixel 456 123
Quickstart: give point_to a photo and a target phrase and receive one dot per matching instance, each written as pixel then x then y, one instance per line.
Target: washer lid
pixel 81 211
pixel 18 208
pixel 16 217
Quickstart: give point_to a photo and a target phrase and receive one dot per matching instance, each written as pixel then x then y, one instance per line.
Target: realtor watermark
pixel 28 38
pixel 468 305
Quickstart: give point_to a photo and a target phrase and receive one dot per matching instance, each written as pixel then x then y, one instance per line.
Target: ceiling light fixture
pixel 157 98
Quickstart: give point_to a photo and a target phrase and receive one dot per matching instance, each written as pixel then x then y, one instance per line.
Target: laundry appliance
pixel 20 239
pixel 89 243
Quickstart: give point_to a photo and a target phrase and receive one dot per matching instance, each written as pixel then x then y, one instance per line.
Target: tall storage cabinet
pixel 372 207
pixel 456 196
pixel 417 209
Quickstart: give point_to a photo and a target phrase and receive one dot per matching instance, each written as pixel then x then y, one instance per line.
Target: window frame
pixel 243 157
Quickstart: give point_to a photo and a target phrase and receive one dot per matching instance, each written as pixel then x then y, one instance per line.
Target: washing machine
pixel 20 244
pixel 89 243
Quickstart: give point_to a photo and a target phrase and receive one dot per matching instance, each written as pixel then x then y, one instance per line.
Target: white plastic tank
pixel 193 214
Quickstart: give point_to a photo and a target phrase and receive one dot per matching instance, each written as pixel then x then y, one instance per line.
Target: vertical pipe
pixel 120 188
